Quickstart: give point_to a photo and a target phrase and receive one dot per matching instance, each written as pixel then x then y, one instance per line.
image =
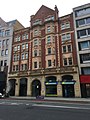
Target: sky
pixel 23 9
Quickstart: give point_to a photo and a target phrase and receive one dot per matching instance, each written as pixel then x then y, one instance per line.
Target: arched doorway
pixel 23 87
pixel 68 86
pixel 51 86
pixel 36 88
pixel 11 87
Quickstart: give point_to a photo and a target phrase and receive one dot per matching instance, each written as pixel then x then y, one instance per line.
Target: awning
pixel 84 78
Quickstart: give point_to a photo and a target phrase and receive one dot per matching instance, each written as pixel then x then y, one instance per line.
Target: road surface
pixel 37 110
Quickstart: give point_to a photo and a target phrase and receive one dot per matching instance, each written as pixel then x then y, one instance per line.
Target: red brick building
pixel 44 57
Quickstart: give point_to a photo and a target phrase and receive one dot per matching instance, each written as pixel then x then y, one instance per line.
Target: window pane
pixel 64 49
pixel 70 61
pixel 84 45
pixel 49 50
pixel 49 39
pixel 88 31
pixel 35 64
pixel 65 61
pixel 69 48
pixel 81 22
pixel 87 20
pixel 86 71
pixel 49 63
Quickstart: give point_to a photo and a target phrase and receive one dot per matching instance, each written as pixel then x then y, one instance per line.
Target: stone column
pixel 59 86
pixel 77 85
pixel 29 86
pixel 17 85
pixel 43 86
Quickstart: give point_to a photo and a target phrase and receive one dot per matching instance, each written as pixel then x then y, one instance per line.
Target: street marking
pixel 14 104
pixel 53 106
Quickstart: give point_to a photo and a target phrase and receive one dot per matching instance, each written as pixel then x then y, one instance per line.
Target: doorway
pixel 36 88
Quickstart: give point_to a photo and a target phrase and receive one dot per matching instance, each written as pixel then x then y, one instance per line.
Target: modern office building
pixel 81 16
pixel 6 36
pixel 44 58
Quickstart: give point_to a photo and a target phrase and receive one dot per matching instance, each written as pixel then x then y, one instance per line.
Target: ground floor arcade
pixel 66 85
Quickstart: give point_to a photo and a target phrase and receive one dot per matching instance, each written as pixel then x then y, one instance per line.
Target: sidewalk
pixel 54 99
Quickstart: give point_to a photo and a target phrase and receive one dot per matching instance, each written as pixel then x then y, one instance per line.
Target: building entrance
pixel 68 90
pixel 68 86
pixel 36 88
pixel 23 87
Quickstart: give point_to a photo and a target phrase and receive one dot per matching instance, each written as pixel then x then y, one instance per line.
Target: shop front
pixel 85 85
pixel 51 86
pixel 68 86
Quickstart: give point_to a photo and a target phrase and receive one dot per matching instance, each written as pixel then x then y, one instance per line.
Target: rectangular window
pixel 39 64
pixel 26 45
pixel 48 29
pixel 17 67
pixel 65 61
pixel 64 49
pixel 22 56
pixel 35 42
pixel 25 36
pixel 88 20
pixel 7 42
pixel 68 36
pixel 48 39
pixel 18 47
pixel 49 18
pixel 81 22
pixel 49 50
pixel 23 46
pixel 62 26
pixel 18 57
pixel 17 39
pixel 85 58
pixel 88 32
pixel 35 32
pixel 3 43
pixel 26 55
pixel 2 53
pixel 7 32
pixel 84 45
pixel 70 61
pixel 15 48
pixel 14 58
pixel 6 52
pixel 82 33
pixel 24 67
pixel 37 22
pixel 13 67
pixel 69 48
pixel 1 62
pixel 63 37
pixel 35 64
pixel 85 71
pixel 49 63
pixel 35 53
pixel 67 25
